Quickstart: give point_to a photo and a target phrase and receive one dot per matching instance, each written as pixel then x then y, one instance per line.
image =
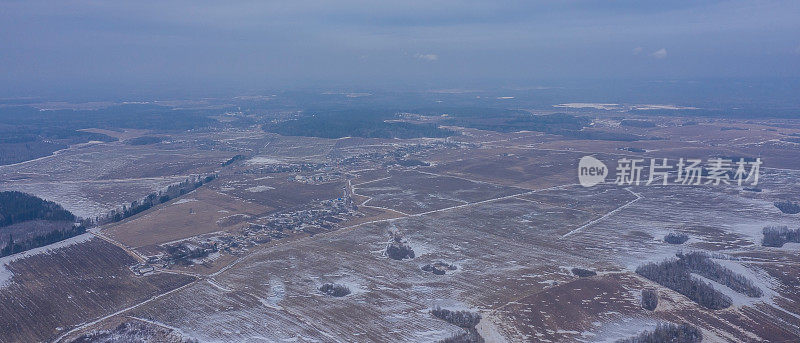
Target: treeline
pixel 702 264
pixel 233 160
pixel 668 332
pixel 464 319
pixel 13 247
pixel 676 275
pixel 155 198
pixel 788 207
pixel 17 207
pixel 678 278
pixel 775 236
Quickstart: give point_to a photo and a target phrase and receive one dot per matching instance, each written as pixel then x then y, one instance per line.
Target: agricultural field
pixel 48 290
pixel 199 212
pixel 364 239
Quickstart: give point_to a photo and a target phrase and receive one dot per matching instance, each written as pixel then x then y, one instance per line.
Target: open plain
pixel 243 257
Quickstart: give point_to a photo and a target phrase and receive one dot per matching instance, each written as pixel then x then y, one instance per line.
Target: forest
pixel 355 123
pixel 27 133
pixel 17 207
pixel 50 222
pixel 22 143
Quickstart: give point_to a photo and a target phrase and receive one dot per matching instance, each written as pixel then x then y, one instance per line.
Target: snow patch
pixel 262 160
pixel 257 189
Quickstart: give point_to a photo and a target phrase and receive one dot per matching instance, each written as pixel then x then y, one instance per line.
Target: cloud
pixel 659 54
pixel 637 50
pixel 426 57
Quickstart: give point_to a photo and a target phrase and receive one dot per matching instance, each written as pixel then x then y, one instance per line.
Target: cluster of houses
pixel 284 168
pixel 321 216
pixel 315 218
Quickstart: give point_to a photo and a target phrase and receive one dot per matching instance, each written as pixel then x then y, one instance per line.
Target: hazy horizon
pixel 112 49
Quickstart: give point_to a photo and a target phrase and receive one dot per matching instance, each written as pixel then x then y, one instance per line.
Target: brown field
pixel 198 212
pixel 276 191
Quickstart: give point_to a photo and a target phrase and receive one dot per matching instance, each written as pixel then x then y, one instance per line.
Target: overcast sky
pixel 52 47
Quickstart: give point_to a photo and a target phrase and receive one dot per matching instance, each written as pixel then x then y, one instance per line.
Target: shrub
pixel 676 238
pixel 334 290
pixel 580 272
pixel 649 299
pixel 438 268
pixel 398 249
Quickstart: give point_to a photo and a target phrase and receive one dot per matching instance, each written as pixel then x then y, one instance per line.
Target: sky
pixel 51 48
